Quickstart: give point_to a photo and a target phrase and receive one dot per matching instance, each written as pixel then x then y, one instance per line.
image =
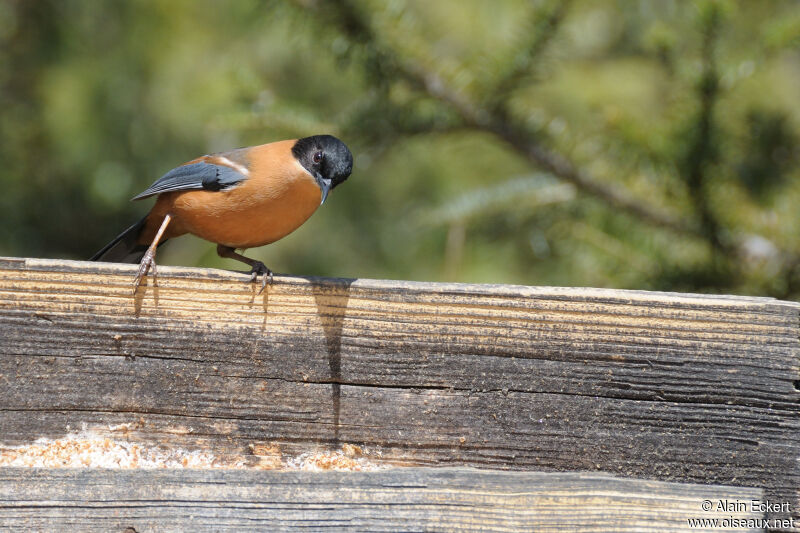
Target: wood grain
pixel 392 500
pixel 673 387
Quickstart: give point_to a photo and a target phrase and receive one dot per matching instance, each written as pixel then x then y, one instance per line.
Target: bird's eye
pixel 317 157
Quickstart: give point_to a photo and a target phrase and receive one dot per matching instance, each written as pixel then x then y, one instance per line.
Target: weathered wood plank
pixel 665 386
pixel 391 500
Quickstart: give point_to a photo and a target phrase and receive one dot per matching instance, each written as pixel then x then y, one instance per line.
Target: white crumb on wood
pixel 102 452
pixel 88 450
pixel 350 457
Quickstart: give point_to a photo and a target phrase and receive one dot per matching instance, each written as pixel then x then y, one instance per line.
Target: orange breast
pixel 278 196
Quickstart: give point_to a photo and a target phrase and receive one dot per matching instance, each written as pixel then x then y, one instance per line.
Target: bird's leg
pixel 257 266
pixel 149 258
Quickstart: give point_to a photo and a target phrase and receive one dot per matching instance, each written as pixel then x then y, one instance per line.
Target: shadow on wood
pixel 331 300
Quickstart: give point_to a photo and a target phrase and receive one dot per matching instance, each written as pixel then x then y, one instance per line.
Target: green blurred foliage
pixel 691 107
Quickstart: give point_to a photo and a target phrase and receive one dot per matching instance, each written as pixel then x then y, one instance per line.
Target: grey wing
pixel 200 175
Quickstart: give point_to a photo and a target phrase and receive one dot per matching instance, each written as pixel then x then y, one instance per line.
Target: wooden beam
pixel 675 387
pixel 410 499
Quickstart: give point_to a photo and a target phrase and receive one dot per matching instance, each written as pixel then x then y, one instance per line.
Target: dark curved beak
pixel 325 186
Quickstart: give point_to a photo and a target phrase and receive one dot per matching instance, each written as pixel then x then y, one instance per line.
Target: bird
pixel 239 199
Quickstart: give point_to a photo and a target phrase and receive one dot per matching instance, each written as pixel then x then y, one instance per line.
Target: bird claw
pixel 261 268
pixel 148 262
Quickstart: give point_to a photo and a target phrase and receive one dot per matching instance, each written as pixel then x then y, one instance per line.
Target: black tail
pixel 124 248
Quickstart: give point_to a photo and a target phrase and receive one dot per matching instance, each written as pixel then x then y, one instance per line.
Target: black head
pixel 326 158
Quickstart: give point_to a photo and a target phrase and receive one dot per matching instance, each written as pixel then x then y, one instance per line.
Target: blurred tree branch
pixel 381 58
pixel 701 152
pixel 541 29
pixel 384 64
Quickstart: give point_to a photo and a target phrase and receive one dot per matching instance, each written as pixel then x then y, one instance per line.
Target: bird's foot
pixel 148 261
pixel 260 268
